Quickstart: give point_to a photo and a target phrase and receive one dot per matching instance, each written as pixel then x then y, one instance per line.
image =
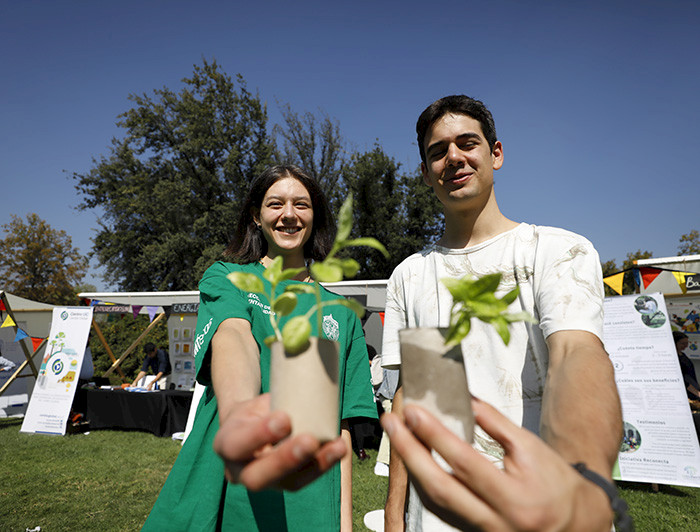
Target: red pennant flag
pixel 381 316
pixel 36 342
pixel 2 305
pixel 648 275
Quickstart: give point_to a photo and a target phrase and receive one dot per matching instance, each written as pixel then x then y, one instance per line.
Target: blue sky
pixel 596 103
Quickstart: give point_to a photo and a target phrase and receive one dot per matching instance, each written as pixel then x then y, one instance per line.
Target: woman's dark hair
pixel 678 336
pixel 248 243
pixel 457 104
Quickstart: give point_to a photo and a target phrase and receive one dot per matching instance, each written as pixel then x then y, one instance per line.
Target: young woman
pixel 284 214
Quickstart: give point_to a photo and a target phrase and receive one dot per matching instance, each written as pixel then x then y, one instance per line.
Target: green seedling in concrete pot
pixel 304 369
pixel 433 372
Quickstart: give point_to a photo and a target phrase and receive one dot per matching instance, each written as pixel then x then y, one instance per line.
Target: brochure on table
pixel 660 444
pixel 52 397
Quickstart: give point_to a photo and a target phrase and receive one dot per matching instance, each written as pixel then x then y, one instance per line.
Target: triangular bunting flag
pixel 20 334
pixel 680 278
pixel 648 275
pixel 381 316
pixel 636 277
pixel 168 310
pixel 9 322
pixel 615 282
pixel 182 317
pixel 135 309
pixel 36 342
pixel 2 305
pixel 95 302
pixel 151 312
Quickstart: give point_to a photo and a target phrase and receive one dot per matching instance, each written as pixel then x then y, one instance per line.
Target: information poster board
pixel 181 327
pixel 660 444
pixel 49 405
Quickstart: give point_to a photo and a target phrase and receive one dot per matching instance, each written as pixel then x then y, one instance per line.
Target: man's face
pixel 151 354
pixel 459 164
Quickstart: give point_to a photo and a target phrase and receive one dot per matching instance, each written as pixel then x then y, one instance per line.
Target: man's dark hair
pixel 248 243
pixel 459 105
pixel 678 336
pixel 149 347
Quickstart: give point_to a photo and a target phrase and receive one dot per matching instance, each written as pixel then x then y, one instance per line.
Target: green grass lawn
pixel 108 480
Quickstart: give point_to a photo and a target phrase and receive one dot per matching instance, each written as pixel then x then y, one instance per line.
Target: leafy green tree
pixel 314 144
pixel 398 210
pixel 39 262
pixel 170 189
pixel 689 244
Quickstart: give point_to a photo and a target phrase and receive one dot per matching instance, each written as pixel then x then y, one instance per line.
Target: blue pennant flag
pixel 20 334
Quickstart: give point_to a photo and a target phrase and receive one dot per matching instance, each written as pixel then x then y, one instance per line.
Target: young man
pixel 554 378
pixel 157 360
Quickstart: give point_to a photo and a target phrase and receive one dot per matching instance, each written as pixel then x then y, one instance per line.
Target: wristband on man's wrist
pixel 622 520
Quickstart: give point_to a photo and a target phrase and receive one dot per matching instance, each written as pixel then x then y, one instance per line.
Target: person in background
pixel 690 378
pixel 158 361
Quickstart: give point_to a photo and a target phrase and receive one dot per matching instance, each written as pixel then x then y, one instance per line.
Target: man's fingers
pixel 438 489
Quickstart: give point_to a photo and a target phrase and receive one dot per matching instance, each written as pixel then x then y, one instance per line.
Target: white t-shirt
pixel 560 282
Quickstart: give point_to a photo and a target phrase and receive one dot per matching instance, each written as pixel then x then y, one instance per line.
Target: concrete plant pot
pixel 434 377
pixel 305 386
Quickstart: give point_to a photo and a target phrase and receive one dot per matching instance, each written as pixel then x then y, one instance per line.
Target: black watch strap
pixel 623 521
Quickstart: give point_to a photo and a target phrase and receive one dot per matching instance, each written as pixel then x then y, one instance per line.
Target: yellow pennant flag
pixel 615 282
pixel 8 322
pixel 680 277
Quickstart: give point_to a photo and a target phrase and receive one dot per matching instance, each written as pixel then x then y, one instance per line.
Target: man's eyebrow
pixel 469 135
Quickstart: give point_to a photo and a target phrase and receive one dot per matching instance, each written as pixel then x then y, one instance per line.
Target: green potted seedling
pixel 432 369
pixel 304 368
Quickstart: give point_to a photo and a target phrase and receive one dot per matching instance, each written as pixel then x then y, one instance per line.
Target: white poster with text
pixel 49 405
pixel 659 444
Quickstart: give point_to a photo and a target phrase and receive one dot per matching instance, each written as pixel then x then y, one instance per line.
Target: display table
pixel 162 413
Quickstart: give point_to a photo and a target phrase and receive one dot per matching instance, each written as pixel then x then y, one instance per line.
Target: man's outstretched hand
pixel 536 490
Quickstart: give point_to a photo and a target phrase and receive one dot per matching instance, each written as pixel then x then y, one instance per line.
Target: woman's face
pixel 682 345
pixel 286 217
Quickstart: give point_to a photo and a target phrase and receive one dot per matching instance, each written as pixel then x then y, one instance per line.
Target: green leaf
pixel 246 282
pixel 352 304
pixel 344 220
pixel 501 326
pixel 284 303
pixel 302 288
pixel 486 284
pixel 458 331
pixel 369 242
pixel 524 315
pixel 274 271
pixel 511 296
pixel 350 267
pixel 295 335
pixel 289 273
pixel 270 340
pixel 327 272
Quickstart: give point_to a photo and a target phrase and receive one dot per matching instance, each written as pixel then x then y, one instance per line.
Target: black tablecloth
pixel 162 412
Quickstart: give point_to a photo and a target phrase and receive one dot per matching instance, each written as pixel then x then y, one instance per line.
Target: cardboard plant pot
pixel 433 376
pixel 305 386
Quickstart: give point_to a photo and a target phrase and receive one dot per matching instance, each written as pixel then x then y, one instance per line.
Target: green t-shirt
pixel 196 495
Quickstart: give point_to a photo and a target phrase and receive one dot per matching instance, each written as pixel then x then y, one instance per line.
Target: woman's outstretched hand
pixel 257 452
